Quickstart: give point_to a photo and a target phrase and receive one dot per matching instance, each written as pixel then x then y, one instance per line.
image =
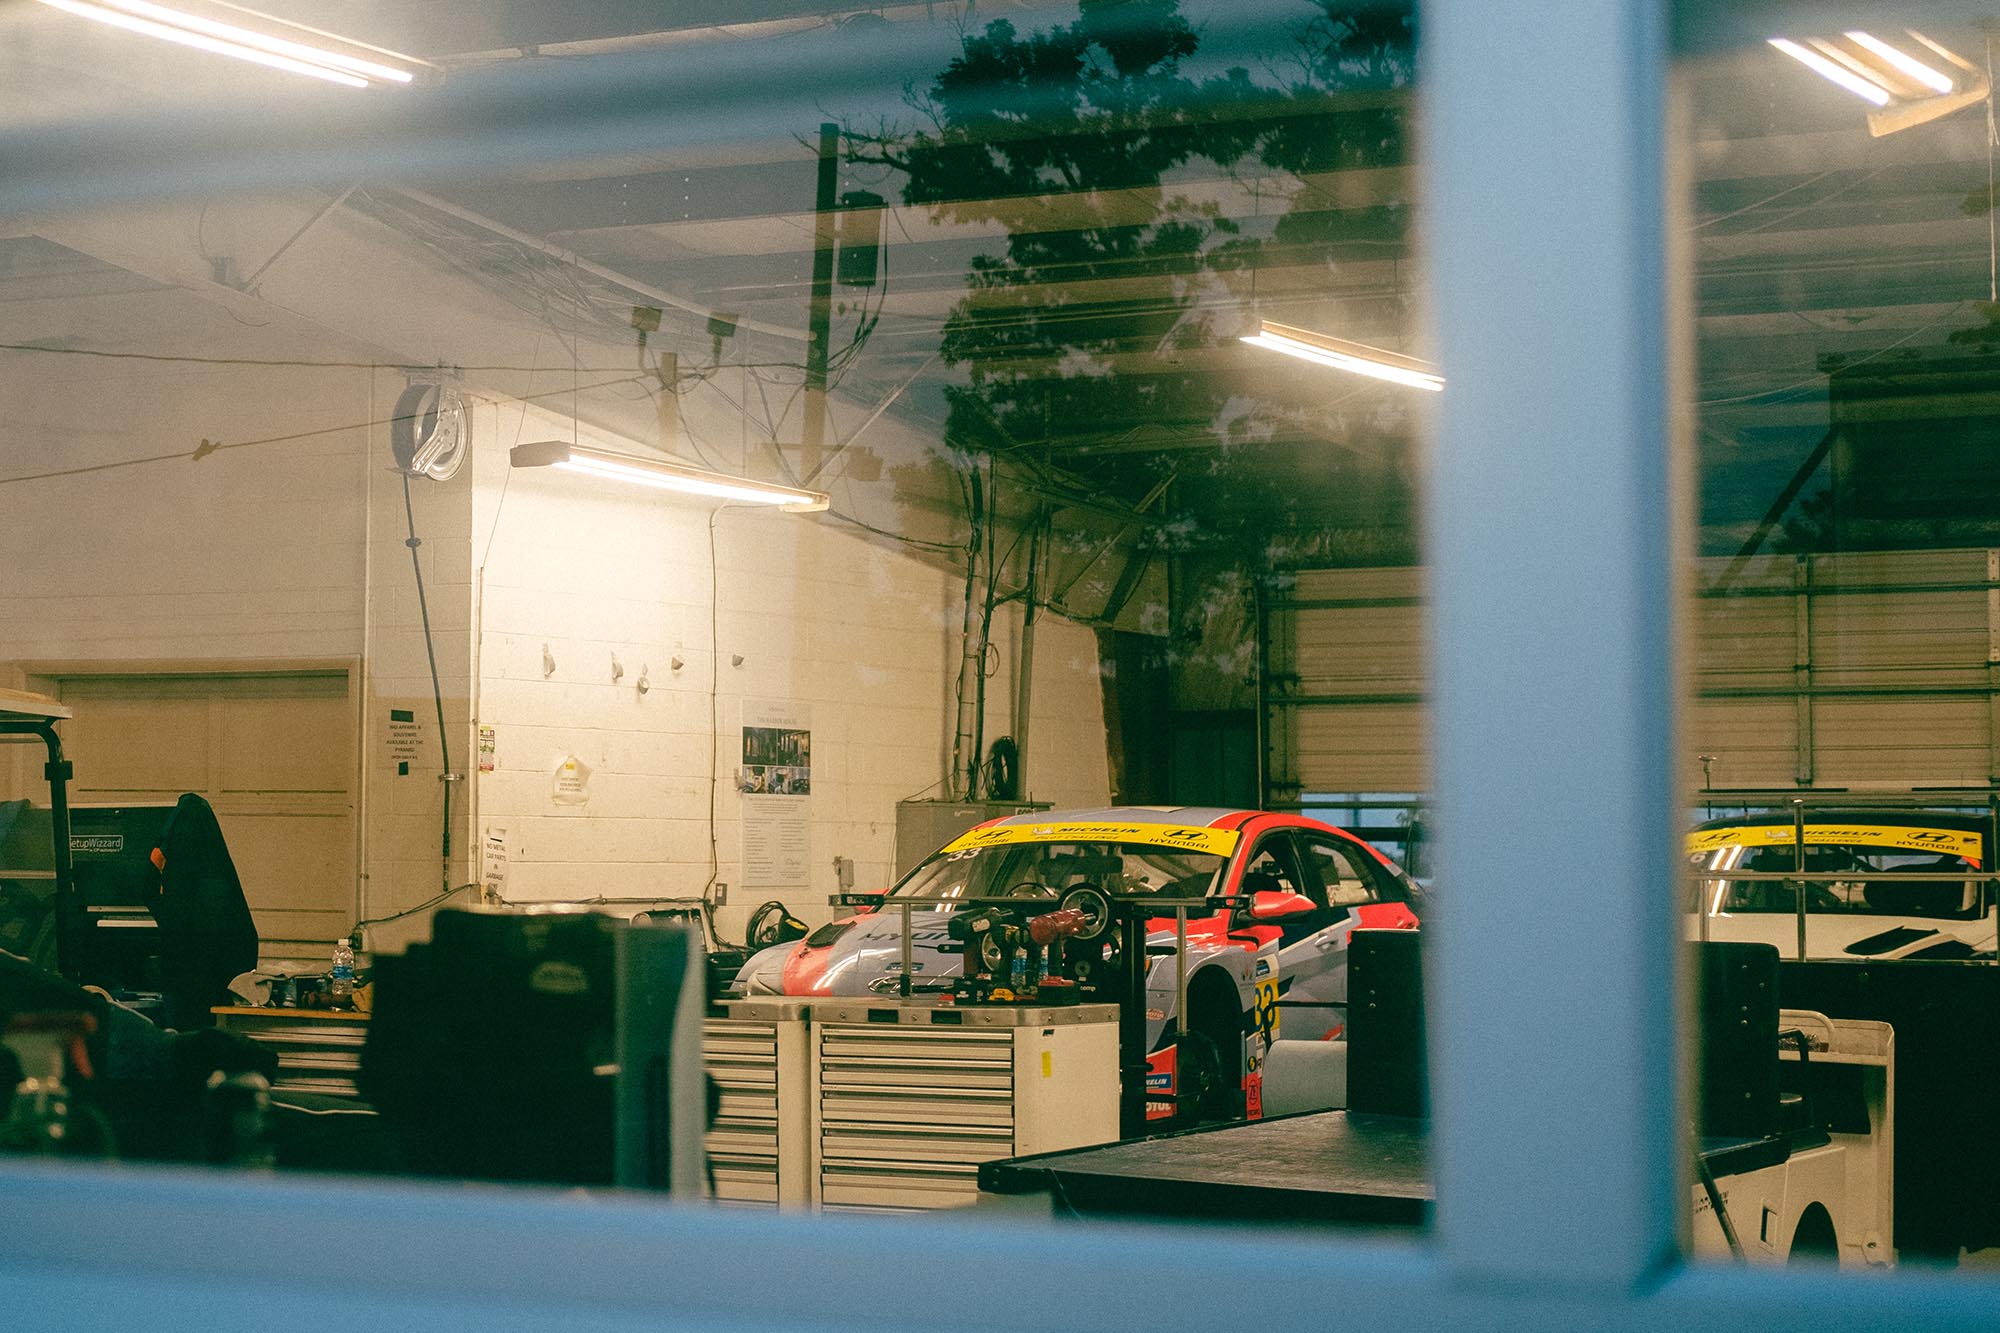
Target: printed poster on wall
pixel 775 782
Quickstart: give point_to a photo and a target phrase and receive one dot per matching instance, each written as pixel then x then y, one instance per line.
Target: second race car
pixel 1877 884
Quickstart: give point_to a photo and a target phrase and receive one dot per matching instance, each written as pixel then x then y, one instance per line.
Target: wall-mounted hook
pixel 644 684
pixel 736 659
pixel 548 662
pixel 676 663
pixel 617 669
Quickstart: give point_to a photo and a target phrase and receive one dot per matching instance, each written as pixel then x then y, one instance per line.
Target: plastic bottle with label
pixel 340 985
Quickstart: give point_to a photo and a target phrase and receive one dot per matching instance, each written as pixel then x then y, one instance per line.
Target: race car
pixel 1944 910
pixel 1308 885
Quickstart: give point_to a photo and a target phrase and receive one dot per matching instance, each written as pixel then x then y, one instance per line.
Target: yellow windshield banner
pixel 1902 837
pixel 1213 841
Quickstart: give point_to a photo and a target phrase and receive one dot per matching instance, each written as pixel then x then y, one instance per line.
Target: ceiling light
pixel 661 474
pixel 1340 354
pixel 367 69
pixel 1901 89
pixel 241 43
pixel 1863 88
pixel 1910 65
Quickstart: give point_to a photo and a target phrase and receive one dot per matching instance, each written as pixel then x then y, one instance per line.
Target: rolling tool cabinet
pixel 909 1097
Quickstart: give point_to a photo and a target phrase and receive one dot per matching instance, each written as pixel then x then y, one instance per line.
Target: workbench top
pixel 295 1012
pixel 1324 1167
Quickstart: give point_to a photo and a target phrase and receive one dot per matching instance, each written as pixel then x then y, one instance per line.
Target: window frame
pixel 1379 883
pixel 1545 174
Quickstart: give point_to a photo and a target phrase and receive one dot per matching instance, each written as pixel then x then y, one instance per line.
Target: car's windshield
pixel 1049 869
pixel 1836 886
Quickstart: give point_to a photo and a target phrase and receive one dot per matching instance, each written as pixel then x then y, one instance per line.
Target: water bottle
pixel 340 986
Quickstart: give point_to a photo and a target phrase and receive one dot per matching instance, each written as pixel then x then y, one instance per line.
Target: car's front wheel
pixel 1208 1065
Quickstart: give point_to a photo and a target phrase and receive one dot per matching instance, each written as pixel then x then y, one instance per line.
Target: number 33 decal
pixel 1267 1008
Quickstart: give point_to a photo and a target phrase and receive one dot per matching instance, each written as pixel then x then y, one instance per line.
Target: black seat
pixel 1261 881
pixel 1919 898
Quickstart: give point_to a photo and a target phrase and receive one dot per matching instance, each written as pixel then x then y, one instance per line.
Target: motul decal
pixel 1160 1069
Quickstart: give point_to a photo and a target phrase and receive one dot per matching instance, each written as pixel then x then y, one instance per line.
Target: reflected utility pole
pixel 819 324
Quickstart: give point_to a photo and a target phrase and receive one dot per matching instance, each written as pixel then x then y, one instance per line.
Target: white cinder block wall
pixel 821 615
pixel 295 550
pixel 283 550
pixel 248 552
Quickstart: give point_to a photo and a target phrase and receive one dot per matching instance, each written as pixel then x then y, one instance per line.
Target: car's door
pixel 1286 896
pixel 1346 879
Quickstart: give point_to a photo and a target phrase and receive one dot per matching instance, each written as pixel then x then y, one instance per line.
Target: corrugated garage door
pixel 1343 685
pixel 1874 669
pixel 273 752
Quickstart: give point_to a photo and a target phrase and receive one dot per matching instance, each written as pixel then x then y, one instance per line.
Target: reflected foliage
pixel 1096 344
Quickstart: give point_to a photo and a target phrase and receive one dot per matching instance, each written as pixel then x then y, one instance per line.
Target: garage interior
pixel 1071 544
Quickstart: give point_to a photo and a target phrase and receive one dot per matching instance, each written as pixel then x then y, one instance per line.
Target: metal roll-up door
pixel 1344 684
pixel 1855 669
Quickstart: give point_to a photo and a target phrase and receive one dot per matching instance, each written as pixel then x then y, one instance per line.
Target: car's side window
pixel 1274 867
pixel 1340 871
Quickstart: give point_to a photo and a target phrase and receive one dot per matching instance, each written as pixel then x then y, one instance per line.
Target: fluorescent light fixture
pixel 241 43
pixel 1916 69
pixel 1902 89
pixel 662 474
pixel 1340 354
pixel 1866 89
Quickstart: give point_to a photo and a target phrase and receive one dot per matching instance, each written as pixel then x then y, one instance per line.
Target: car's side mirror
pixel 1277 904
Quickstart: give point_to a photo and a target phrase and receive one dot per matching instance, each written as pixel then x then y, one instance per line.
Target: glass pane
pixel 719 518
pixel 1842 742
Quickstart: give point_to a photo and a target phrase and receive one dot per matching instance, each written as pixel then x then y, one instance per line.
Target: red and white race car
pixel 1280 961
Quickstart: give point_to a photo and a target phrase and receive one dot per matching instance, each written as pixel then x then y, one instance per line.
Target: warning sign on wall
pixel 406 734
pixel 572 782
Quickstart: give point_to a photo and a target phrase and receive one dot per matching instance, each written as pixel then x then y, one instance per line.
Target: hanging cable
pixel 1992 139
pixel 445 776
pixel 714 696
pixel 976 786
pixel 282 363
pixel 965 766
pixel 428 903
pixel 207 447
